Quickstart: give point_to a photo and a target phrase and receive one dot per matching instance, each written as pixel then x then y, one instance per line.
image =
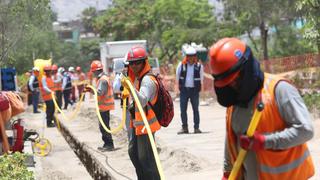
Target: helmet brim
pixel 226 81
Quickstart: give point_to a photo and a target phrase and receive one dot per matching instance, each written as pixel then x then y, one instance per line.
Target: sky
pixel 71 9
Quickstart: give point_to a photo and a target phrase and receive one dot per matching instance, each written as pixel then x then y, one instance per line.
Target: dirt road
pixel 192 156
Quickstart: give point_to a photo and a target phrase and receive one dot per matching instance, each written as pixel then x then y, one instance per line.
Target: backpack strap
pixel 157 84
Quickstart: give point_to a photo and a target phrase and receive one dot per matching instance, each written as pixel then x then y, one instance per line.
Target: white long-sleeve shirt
pixel 190 74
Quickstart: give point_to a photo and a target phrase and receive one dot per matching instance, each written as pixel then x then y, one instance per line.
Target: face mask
pixel 226 96
pixel 96 73
pixel 250 83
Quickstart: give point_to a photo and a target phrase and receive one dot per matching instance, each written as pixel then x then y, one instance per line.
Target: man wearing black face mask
pixel 278 149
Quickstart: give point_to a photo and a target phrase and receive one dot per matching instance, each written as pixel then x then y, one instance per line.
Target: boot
pixel 184 130
pixel 197 131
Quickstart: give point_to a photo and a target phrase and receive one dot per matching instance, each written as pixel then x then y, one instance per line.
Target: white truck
pixel 116 49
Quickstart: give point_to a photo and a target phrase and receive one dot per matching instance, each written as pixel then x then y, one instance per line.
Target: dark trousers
pixel 59 98
pixel 66 97
pixel 106 137
pixel 35 100
pixel 50 112
pixel 73 94
pixel 193 95
pixel 142 158
pixel 29 98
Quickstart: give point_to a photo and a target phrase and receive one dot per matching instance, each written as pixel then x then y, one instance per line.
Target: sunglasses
pixel 136 62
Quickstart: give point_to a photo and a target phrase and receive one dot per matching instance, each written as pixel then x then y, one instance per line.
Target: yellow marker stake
pixel 145 121
pixel 251 129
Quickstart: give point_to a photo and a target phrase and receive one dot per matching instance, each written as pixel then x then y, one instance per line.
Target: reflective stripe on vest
pixel 151 116
pixel 294 163
pixel 106 101
pixel 285 167
pixel 140 123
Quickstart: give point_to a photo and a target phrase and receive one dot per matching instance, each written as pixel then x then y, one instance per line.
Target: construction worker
pixel 57 80
pixel 105 101
pixel 66 87
pixel 47 87
pixel 189 74
pixel 82 78
pixel 140 150
pixel 33 86
pixel 278 147
pixel 74 78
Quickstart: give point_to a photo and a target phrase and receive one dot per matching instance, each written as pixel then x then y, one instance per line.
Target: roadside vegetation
pixel 13 167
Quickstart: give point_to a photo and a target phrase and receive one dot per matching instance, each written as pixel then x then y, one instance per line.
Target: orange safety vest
pixel 294 163
pixel 150 114
pixel 58 85
pixel 106 101
pixel 46 96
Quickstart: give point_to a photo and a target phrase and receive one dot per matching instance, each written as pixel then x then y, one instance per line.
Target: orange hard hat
pixel 78 68
pixel 226 58
pixel 54 67
pixel 96 65
pixel 47 67
pixel 136 53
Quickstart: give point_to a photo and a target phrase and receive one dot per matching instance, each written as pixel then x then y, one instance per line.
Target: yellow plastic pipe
pixel 113 131
pixel 146 124
pixel 74 113
pixel 251 129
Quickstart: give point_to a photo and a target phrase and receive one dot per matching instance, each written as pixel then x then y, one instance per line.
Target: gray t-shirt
pixel 292 110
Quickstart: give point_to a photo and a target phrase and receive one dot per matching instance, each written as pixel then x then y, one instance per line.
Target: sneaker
pixel 36 112
pixel 197 131
pixel 183 131
pixel 106 148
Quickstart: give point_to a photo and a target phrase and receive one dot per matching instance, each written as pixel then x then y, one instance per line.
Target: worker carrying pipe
pixel 140 150
pixel 105 101
pixel 277 149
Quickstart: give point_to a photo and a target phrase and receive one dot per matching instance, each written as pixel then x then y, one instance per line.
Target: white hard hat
pixel 190 51
pixel 35 69
pixel 61 69
pixel 71 69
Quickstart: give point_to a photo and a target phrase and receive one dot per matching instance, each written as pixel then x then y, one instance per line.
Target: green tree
pixel 165 24
pixel 310 11
pixel 264 15
pixel 18 20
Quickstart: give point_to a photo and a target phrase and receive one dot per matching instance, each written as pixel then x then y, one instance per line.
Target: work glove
pixel 225 176
pixel 255 143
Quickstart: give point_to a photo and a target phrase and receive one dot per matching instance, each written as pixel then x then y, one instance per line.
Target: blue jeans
pixel 193 95
pixel 35 100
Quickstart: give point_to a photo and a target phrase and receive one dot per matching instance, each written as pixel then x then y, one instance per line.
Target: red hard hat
pixel 226 59
pixel 54 67
pixel 47 67
pixel 95 65
pixel 78 68
pixel 136 53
